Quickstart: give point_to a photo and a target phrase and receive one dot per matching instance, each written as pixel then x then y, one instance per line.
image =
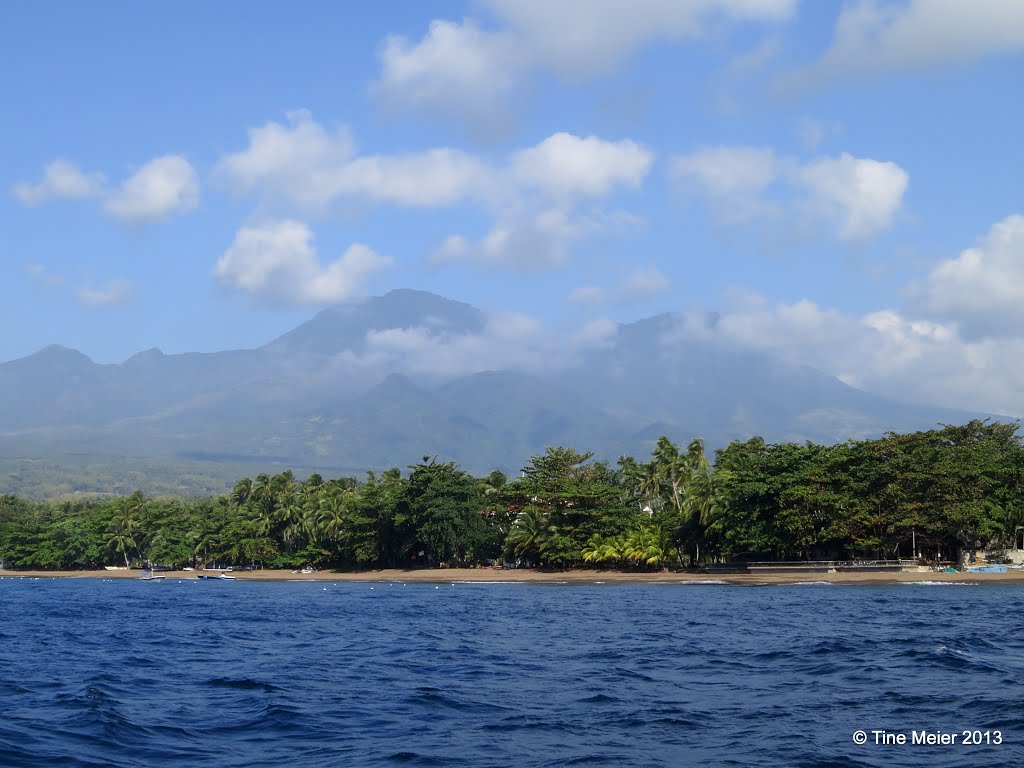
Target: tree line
pixel 946 491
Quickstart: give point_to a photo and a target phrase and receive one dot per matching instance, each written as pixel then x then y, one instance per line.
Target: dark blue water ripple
pixel 126 673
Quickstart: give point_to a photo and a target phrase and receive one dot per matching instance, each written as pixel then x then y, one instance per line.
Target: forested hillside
pixel 952 490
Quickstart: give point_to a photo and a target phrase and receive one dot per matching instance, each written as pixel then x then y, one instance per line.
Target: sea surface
pixel 189 673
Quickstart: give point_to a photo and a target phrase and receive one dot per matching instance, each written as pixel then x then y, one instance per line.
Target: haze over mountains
pixel 384 382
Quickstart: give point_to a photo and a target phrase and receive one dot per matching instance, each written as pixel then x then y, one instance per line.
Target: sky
pixel 838 183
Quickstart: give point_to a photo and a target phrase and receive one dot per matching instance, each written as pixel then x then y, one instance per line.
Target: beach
pixel 532 576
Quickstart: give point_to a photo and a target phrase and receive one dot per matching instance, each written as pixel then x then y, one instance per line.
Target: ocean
pixel 186 673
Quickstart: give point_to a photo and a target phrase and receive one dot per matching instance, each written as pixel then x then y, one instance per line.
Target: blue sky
pixel 839 181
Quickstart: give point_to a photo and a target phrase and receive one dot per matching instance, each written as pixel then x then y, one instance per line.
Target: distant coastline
pixel 532 576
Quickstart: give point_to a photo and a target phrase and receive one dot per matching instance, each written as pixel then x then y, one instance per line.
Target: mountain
pixel 344 328
pixel 323 396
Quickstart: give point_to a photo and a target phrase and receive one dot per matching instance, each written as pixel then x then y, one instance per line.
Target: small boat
pixel 151 576
pixel 218 577
pixel 993 568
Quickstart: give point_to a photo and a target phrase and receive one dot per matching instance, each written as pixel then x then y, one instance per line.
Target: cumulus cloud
pixel 600 332
pixel 584 38
pixel 568 166
pixel 637 286
pixel 508 341
pixel 298 161
pixel 860 195
pixel 276 263
pixel 110 293
pixel 304 167
pixel 464 71
pixel 436 177
pixel 163 186
pixel 61 180
pixel 873 37
pixel 643 284
pixel 982 289
pixel 537 242
pixel 455 69
pixel 887 352
pixel 856 198
pixel 534 194
pixel 307 168
pixel 958 342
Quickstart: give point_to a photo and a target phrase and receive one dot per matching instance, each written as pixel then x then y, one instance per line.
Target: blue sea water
pixel 176 673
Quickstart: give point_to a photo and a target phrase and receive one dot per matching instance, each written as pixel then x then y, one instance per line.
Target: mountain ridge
pixel 320 395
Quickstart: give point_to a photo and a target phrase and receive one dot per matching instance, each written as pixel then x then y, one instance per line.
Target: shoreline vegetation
pixel 534 576
pixel 945 497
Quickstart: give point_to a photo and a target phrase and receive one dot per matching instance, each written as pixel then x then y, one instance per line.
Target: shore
pixel 530 576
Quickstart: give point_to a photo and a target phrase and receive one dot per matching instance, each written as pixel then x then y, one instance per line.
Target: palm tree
pixel 703 501
pixel 330 518
pixel 594 551
pixel 122 532
pixel 648 545
pixel 122 541
pixel 241 492
pixel 529 534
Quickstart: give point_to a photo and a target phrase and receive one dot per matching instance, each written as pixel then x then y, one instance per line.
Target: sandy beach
pixel 530 576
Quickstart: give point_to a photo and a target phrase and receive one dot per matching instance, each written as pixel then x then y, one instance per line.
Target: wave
pixel 939 583
pixel 631 676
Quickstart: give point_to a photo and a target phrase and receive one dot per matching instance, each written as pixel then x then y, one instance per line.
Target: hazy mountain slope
pixel 318 397
pixel 344 328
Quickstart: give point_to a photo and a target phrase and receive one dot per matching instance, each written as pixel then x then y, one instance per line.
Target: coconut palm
pixel 330 517
pixel 530 534
pixel 703 502
pixel 123 542
pixel 648 545
pixel 241 492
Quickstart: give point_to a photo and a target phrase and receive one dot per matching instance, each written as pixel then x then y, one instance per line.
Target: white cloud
pixel 534 194
pixel 508 342
pixel 436 177
pixel 568 166
pixel 163 186
pixel 886 352
pixel 585 38
pixel 873 37
pixel 635 287
pixel 734 177
pixel 304 167
pixel 540 241
pixel 277 264
pixel 61 180
pixel 600 332
pixel 856 198
pixel 455 68
pixel 643 284
pixel 298 162
pixel 859 194
pixel 460 70
pixel 108 294
pixel 982 289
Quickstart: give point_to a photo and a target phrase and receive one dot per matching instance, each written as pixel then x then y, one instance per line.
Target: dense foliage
pixel 950 490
